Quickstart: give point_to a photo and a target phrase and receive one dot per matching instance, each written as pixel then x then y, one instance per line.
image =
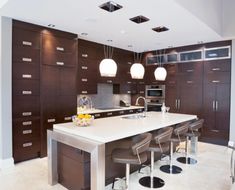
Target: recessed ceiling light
pixel 200 42
pixel 110 6
pixel 130 46
pixel 160 29
pixel 139 19
pixel 51 25
pixel 84 34
pixel 170 46
pixel 109 40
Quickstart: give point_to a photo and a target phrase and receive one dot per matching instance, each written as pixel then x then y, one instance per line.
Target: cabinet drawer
pixel 190 68
pixel 217 66
pixel 24 106
pixel 57 44
pixel 111 114
pixel 190 79
pixel 25 55
pixel 171 69
pixel 26 87
pixel 26 38
pixel 26 71
pixel 87 88
pixel 24 150
pixel 219 77
pixel 26 129
pixel 59 59
pixel 86 52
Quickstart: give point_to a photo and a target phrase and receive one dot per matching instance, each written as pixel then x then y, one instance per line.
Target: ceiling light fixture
pixel 110 6
pixel 139 19
pixel 137 69
pixel 160 72
pixel 108 67
pixel 160 29
pixel 84 34
pixel 51 25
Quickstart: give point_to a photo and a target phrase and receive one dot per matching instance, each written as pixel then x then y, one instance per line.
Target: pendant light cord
pixel 108 52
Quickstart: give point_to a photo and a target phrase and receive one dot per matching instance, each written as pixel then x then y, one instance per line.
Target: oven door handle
pixel 176 103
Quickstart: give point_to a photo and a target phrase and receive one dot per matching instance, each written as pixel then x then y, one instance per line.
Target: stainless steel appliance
pixel 154 104
pixel 155 91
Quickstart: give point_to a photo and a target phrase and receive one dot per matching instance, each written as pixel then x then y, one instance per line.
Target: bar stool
pixel 179 135
pixel 135 155
pixel 159 144
pixel 193 133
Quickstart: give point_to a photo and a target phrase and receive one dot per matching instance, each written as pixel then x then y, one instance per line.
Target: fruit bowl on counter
pixel 83 120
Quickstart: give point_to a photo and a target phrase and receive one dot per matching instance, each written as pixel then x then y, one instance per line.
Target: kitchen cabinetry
pixel 25 93
pixel 216 100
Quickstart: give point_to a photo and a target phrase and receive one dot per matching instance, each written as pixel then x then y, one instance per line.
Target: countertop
pixel 93 111
pixel 114 128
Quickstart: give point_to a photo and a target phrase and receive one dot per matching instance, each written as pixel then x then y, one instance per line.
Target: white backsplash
pixel 105 97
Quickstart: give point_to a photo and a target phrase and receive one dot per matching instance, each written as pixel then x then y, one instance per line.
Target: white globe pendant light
pixel 137 71
pixel 160 73
pixel 108 68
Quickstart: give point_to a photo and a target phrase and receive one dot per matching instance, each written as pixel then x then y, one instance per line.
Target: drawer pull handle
pixel 27 144
pixel 190 70
pixel 97 115
pixel 84 92
pixel 128 82
pixel 189 82
pixel 84 55
pixel 128 92
pixel 84 67
pixel 110 113
pixel 141 92
pixel 215 69
pixel 68 118
pixel 59 48
pixel 51 120
pixel 26 76
pixel 25 132
pixel 60 63
pixel 26 123
pixel 26 92
pixel 121 112
pixel 109 81
pixel 26 59
pixel 26 43
pixel 131 111
pixel 26 113
pixel 216 131
pixel 129 63
pixel 84 80
pixel 215 81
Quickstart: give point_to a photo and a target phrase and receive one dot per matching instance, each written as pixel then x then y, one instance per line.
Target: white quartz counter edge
pixel 114 128
pixel 93 111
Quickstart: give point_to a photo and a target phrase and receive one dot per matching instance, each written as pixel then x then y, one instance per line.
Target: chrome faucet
pixel 145 104
pixel 85 100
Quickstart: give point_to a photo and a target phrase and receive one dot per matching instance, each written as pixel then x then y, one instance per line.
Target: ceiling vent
pixel 160 29
pixel 110 6
pixel 139 19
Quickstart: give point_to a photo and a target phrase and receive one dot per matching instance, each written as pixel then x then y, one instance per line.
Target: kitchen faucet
pixel 85 101
pixel 145 104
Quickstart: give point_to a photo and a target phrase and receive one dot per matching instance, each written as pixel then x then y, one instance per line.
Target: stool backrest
pixel 164 135
pixel 182 129
pixel 196 125
pixel 142 144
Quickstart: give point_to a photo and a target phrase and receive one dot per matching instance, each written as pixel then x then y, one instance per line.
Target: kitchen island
pixel 92 139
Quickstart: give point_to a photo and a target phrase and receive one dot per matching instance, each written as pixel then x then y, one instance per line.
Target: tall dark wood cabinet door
pixel 222 109
pixel 172 98
pixel 68 77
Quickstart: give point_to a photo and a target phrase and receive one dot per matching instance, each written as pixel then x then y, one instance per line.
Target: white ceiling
pixel 189 23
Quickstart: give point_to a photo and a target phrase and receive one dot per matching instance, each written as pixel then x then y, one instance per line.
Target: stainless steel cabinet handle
pixel 51 120
pixel 97 115
pixel 26 123
pixel 26 43
pixel 141 92
pixel 60 63
pixel 26 76
pixel 216 105
pixel 215 81
pixel 84 92
pixel 128 82
pixel 109 81
pixel 131 111
pixel 25 132
pixel 178 103
pixel 216 69
pixel 25 59
pixel 213 105
pixel 84 55
pixel 68 118
pixel 189 81
pixel 27 144
pixel 59 48
pixel 190 70
pixel 26 92
pixel 110 113
pixel 128 92
pixel 84 68
pixel 129 63
pixel 121 112
pixel 26 113
pixel 84 80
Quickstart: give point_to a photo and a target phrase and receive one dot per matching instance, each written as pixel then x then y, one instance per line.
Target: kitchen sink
pixel 134 117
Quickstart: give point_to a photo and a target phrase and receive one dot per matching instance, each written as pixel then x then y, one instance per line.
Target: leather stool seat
pixel 124 156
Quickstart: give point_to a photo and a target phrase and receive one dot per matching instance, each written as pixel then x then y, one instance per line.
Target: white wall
pixel 6 159
pixel 232 113
pixel 228 18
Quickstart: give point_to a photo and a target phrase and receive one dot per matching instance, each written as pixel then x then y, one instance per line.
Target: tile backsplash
pixel 105 97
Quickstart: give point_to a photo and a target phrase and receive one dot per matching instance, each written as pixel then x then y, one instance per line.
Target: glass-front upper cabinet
pixel 172 58
pixel 187 56
pixel 155 59
pixel 217 53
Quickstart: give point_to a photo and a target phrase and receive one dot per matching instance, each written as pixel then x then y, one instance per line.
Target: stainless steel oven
pixel 155 92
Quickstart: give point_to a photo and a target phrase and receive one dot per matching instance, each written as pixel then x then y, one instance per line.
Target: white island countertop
pixel 114 128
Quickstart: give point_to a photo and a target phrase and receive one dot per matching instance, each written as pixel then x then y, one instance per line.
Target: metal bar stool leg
pixel 186 159
pixel 151 181
pixel 170 168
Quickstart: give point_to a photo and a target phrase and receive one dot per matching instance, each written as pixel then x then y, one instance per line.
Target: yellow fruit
pixel 81 116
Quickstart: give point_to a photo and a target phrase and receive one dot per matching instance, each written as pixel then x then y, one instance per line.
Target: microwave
pixel 155 91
